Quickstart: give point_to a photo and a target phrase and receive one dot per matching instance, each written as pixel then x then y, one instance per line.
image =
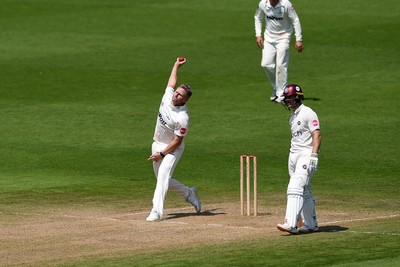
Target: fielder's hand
pixel 299 46
pixel 259 41
pixel 313 166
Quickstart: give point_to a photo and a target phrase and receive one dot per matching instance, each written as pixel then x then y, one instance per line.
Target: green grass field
pixel 81 82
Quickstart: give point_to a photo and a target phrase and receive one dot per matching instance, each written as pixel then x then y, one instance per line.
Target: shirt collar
pixel 297 110
pixel 177 107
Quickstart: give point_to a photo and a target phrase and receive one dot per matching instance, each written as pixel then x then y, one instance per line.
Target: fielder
pixel 281 19
pixel 168 145
pixel 303 162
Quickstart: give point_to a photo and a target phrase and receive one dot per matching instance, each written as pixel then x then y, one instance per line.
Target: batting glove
pixel 313 166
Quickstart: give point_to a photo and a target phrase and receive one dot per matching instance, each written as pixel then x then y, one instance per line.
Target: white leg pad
pixel 295 192
pixel 308 213
pixel 293 209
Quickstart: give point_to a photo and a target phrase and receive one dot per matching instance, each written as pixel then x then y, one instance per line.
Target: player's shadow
pixel 212 212
pixel 312 98
pixel 326 229
pixel 332 229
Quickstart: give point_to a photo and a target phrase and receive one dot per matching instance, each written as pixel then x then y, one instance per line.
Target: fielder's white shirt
pixel 171 120
pixel 303 121
pixel 280 20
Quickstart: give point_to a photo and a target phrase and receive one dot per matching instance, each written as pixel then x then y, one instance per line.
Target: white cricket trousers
pixel 300 200
pixel 275 62
pixel 163 170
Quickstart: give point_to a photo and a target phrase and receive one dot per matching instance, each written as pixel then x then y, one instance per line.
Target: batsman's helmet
pixel 293 89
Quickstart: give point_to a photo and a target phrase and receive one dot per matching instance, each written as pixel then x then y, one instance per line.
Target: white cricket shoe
pixel 279 99
pixel 273 98
pixel 305 229
pixel 153 217
pixel 193 199
pixel 287 228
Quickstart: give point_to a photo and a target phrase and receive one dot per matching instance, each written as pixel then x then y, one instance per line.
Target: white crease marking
pixel 364 219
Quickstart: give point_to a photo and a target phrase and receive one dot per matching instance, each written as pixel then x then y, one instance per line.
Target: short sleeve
pixel 313 122
pixel 182 125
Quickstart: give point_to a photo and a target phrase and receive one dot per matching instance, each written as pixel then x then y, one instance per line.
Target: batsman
pixel 303 162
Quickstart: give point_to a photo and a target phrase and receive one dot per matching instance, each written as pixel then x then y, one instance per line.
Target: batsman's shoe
pixel 287 228
pixel 273 98
pixel 153 217
pixel 305 229
pixel 193 199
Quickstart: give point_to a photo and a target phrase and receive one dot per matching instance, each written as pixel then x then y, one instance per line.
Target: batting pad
pixel 293 209
pixel 308 213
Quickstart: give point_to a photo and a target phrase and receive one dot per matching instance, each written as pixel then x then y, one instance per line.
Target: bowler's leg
pixel 165 171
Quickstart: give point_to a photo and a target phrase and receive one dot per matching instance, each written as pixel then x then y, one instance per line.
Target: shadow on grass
pixel 328 229
pixel 323 229
pixel 312 98
pixel 332 229
pixel 212 212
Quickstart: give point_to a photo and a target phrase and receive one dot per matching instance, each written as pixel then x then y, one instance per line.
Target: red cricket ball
pixel 182 59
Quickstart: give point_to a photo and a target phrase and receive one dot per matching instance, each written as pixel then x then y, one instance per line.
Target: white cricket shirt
pixel 171 120
pixel 303 121
pixel 280 20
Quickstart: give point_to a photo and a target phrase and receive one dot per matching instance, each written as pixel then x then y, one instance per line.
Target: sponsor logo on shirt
pixel 183 130
pixel 160 118
pixel 314 123
pixel 297 134
pixel 274 18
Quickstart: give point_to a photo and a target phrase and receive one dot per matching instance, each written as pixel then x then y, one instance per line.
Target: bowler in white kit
pixel 168 145
pixel 280 20
pixel 303 162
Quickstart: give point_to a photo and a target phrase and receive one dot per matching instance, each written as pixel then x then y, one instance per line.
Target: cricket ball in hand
pixel 181 59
